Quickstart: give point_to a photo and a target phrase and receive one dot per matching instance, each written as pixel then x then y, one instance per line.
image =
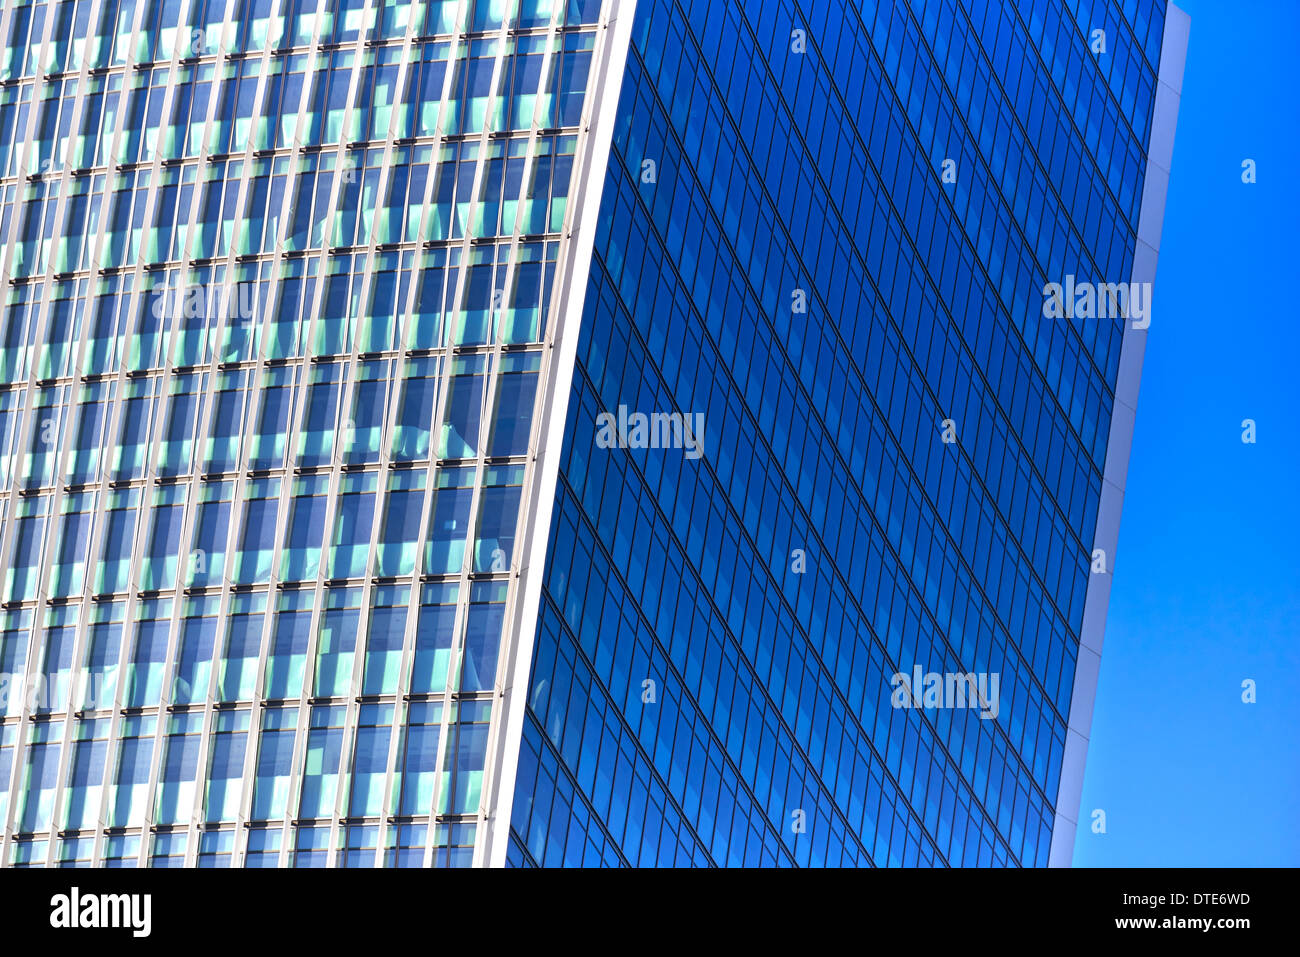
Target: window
pixel 253 560
pixel 487 611
pixel 351 538
pixel 206 560
pixel 466 757
pixel 289 639
pixel 198 642
pixel 449 521
pixel 226 766
pixel 320 779
pixel 159 563
pixel 237 669
pixel 274 760
pixel 403 509
pixel 418 757
pixel 131 780
pixel 385 637
pixel 305 532
pixel 144 671
pixel 498 514
pixel 44 744
pixel 178 778
pixel 336 643
pixel 370 760
pixel 434 637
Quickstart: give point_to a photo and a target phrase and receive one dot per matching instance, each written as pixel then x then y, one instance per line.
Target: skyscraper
pixel 541 431
pixel 831 228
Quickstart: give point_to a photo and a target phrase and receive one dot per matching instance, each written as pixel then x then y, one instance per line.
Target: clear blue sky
pixel 1207 580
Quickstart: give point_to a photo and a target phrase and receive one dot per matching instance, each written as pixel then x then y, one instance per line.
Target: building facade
pixel 908 468
pixel 279 282
pixel 542 431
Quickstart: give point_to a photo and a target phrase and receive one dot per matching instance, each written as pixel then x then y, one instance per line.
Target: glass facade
pixel 278 277
pixel 318 318
pixel 827 227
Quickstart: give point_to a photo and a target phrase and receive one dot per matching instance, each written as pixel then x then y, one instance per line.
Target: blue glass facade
pixel 828 228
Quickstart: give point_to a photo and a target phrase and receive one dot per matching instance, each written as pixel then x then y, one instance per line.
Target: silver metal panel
pixel 1173 55
pixel 521 630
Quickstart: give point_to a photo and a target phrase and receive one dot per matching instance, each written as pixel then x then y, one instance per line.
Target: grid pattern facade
pixel 694 691
pixel 277 281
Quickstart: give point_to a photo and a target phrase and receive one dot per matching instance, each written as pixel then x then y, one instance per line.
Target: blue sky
pixel 1207 576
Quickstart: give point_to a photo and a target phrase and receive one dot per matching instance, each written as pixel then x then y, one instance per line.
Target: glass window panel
pixel 320 780
pixel 483 636
pixel 159 564
pixel 370 759
pixel 120 520
pixel 122 850
pixel 55 674
pixel 178 777
pixel 40 775
pixel 206 562
pixel 226 766
pixel 198 642
pixel 400 529
pixel 289 639
pixel 350 543
pixel 263 847
pixel 259 532
pixel 144 671
pixel 466 758
pixel 15 637
pixel 216 849
pixel 86 776
pixel 460 427
pixel 385 636
pixel 305 531
pixel 274 758
pixel 497 518
pixel 434 638
pixel 449 521
pixel 268 441
pixel 419 391
pixel 131 780
pixel 418 757
pixel 336 643
pixel 237 680
pixel 103 655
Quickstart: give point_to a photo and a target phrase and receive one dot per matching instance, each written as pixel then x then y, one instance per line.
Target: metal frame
pixel 600 113
pixel 1160 151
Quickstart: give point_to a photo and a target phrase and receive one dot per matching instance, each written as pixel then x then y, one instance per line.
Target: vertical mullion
pixel 201 409
pixel 229 285
pixel 547 431
pixel 66 180
pixel 385 466
pixel 491 372
pixel 443 350
pixel 36 639
pixel 331 511
pixel 300 366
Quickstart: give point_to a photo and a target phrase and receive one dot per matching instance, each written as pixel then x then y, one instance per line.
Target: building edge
pixel 604 90
pixel 1160 149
